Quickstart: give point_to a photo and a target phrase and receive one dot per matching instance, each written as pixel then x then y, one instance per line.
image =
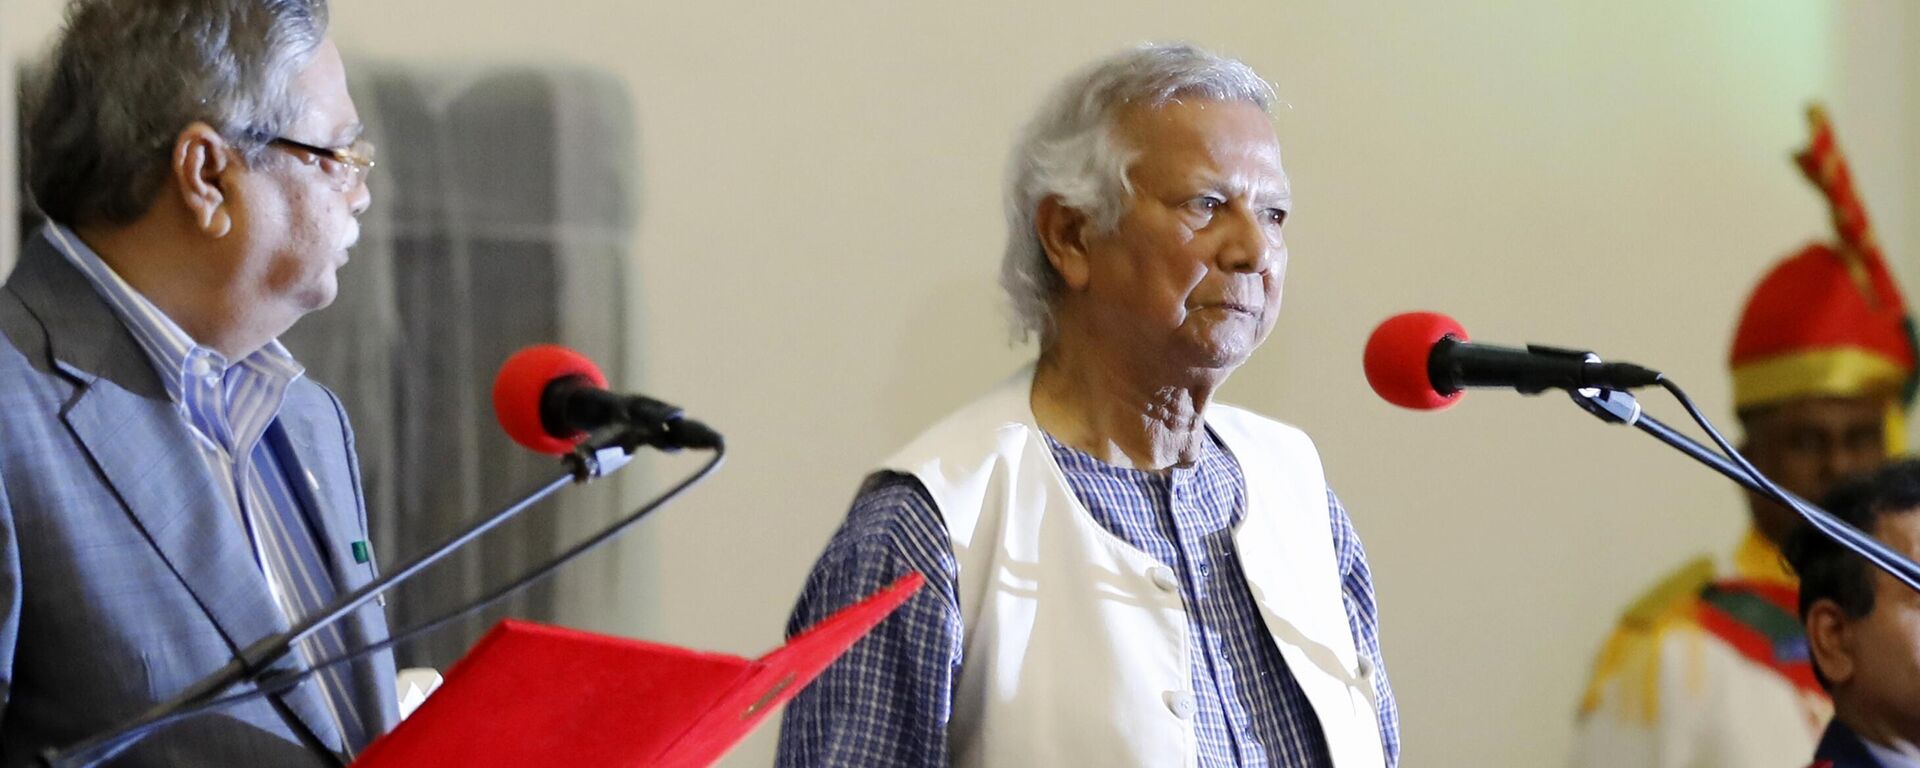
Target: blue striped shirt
pixel 229 407
pixel 889 700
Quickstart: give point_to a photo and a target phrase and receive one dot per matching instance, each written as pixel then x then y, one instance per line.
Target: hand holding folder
pixel 530 694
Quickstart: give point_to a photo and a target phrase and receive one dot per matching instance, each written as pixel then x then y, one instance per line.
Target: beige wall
pixel 820 222
pixel 1876 76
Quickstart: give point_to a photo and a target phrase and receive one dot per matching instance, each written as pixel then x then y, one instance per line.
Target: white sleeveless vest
pixel 1076 648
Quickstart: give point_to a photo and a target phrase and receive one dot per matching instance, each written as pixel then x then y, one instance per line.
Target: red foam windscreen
pixel 522 381
pixel 1396 359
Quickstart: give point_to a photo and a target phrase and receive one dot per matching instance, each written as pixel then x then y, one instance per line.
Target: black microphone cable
pixel 1820 519
pixel 273 684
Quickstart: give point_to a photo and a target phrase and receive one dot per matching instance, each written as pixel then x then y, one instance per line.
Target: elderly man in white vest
pixel 1121 571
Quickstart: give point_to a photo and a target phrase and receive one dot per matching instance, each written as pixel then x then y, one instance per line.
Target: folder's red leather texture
pixel 535 695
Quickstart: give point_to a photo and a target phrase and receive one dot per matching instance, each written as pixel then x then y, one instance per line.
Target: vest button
pixel 1180 703
pixel 1163 578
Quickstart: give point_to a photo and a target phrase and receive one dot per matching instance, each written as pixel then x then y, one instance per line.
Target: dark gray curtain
pixel 502 218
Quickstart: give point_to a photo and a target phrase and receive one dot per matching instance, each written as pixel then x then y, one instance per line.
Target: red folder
pixel 533 695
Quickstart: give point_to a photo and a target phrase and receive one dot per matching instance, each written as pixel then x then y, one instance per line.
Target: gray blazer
pixel 123 577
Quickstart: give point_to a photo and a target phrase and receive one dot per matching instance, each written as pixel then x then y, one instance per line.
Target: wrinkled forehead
pixel 1227 144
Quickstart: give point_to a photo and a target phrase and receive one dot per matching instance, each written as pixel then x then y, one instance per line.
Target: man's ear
pixel 1828 642
pixel 200 161
pixel 1063 233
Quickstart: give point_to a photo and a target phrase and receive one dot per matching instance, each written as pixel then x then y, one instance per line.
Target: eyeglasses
pixel 349 164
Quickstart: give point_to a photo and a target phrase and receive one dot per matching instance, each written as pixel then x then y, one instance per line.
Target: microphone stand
pixel 591 460
pixel 1617 407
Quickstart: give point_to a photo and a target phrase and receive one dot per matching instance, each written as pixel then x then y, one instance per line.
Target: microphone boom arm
pixel 1617 407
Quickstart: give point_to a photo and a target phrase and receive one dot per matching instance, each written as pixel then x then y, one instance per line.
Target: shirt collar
pixel 173 352
pixel 1890 757
pixel 1844 746
pixel 1075 460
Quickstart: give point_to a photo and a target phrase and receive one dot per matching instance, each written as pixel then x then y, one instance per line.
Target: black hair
pixel 1829 571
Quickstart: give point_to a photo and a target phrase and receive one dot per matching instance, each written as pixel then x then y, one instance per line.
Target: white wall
pixel 820 222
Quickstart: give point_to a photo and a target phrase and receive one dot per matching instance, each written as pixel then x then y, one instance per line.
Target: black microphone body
pixel 1454 365
pixel 572 404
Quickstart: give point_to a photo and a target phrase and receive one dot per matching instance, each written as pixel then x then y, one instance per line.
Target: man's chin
pixel 1224 348
pixel 1221 362
pixel 318 296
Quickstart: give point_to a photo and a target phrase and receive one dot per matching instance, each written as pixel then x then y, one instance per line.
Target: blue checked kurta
pixel 888 701
pixel 230 406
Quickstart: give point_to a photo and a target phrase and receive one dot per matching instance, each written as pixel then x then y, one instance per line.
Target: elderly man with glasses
pixel 172 489
pixel 1122 570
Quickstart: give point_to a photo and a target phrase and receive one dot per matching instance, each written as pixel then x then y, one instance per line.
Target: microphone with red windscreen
pixel 548 398
pixel 1422 360
pixel 1398 354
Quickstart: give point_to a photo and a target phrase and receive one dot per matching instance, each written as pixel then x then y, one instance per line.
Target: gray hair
pixel 128 75
pixel 1070 151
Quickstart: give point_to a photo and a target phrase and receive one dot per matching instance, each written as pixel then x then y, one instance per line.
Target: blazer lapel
pixel 147 454
pixel 295 437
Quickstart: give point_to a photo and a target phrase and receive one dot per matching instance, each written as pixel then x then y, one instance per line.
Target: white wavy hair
pixel 1069 150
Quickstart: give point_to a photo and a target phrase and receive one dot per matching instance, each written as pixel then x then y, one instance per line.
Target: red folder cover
pixel 531 694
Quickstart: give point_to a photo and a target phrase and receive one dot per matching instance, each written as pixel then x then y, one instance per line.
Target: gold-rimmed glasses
pixel 349 164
